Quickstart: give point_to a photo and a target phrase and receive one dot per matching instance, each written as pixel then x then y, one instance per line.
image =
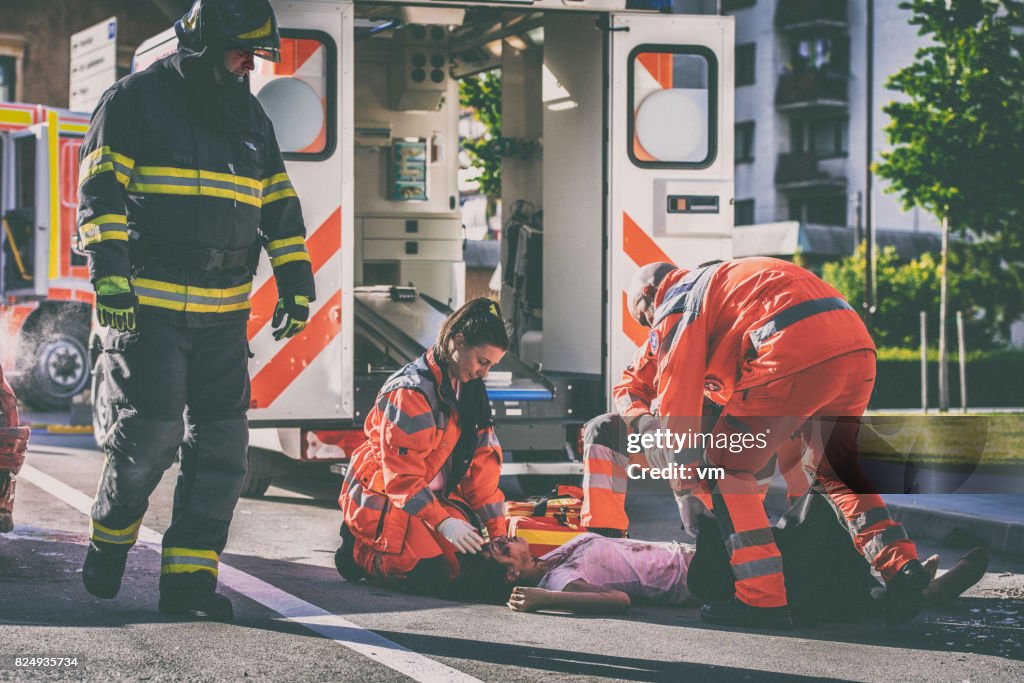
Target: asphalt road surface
pixel 297 620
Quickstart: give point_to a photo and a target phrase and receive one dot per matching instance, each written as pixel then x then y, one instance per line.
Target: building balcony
pixel 812 89
pixel 799 172
pixel 816 15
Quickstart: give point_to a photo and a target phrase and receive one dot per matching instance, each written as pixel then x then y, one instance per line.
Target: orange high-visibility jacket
pixel 411 434
pixel 638 387
pixel 739 324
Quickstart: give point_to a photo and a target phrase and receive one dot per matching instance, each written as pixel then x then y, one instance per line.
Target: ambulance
pixel 617 151
pixel 45 295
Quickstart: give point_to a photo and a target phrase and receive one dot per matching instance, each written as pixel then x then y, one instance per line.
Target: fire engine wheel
pixel 59 371
pixel 258 474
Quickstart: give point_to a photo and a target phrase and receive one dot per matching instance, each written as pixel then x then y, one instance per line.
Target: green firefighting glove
pixel 293 311
pixel 116 304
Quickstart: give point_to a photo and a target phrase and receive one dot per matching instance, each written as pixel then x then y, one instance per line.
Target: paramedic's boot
pixel 344 561
pixel 202 605
pixel 965 573
pixel 732 612
pixel 103 568
pixel 904 593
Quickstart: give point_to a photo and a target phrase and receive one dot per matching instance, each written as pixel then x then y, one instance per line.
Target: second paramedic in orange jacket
pixel 430 462
pixel 786 354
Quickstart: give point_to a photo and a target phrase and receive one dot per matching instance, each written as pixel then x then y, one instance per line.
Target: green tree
pixel 906 289
pixel 958 133
pixel 482 95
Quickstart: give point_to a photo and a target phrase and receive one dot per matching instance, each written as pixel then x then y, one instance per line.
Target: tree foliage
pixel 958 146
pixel 958 133
pixel 906 289
pixel 482 94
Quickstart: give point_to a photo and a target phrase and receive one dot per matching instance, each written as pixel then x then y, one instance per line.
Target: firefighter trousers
pixel 175 389
pixel 823 404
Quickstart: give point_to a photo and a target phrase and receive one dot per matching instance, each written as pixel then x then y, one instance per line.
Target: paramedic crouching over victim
pixel 423 488
pixel 785 354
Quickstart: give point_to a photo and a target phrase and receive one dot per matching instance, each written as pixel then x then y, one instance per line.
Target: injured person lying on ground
pixel 827 579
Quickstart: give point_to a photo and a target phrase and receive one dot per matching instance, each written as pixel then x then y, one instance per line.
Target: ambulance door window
pixel 672 106
pixel 299 94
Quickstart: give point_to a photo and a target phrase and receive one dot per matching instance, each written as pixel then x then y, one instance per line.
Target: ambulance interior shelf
pixel 408 327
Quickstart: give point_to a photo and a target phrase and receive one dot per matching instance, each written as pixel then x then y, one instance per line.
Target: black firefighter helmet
pixel 231 24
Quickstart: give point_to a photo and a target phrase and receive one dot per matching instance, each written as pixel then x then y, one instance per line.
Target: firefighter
pixel 13 442
pixel 787 354
pixel 181 185
pixel 423 487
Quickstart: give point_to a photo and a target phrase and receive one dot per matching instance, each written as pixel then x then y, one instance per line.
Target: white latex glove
pixel 690 510
pixel 656 457
pixel 461 534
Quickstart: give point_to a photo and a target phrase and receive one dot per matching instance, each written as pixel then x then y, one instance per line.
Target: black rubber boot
pixel 904 593
pixel 104 568
pixel 732 612
pixel 344 562
pixel 198 605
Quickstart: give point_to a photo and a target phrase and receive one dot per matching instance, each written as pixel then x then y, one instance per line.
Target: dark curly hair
pixel 481 579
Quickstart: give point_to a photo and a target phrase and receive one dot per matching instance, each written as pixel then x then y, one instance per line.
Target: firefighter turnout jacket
pixel 181 207
pixel 423 442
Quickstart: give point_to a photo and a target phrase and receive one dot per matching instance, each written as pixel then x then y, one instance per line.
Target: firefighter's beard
pixel 219 98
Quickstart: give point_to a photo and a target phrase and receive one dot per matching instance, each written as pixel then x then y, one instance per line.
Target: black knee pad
pixel 429 577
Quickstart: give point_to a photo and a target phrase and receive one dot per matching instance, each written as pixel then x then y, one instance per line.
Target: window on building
pixel 825 210
pixel 797 136
pixel 733 5
pixel 744 142
pixel 744 212
pixel 828 138
pixel 831 53
pixel 746 63
pixel 673 106
pixel 8 78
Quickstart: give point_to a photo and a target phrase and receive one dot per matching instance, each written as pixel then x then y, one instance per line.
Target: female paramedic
pixel 430 462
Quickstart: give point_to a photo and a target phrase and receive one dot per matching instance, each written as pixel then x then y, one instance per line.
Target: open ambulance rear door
pixel 670 154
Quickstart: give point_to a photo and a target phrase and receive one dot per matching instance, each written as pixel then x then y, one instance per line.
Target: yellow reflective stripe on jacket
pixel 102 160
pixel 287 250
pixel 126 536
pixel 177 297
pixel 190 181
pixel 187 560
pixel 277 186
pixel 110 226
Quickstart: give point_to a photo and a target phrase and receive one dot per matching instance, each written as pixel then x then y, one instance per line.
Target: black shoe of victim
pixel 904 593
pixel 732 612
pixel 104 568
pixel 344 561
pixel 201 606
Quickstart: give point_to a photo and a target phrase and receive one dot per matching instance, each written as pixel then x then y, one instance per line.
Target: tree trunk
pixel 943 306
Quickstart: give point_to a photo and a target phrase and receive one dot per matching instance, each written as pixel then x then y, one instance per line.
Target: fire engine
pixel 617 153
pixel 45 295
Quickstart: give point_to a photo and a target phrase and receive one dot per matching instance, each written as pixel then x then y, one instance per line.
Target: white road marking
pixel 331 626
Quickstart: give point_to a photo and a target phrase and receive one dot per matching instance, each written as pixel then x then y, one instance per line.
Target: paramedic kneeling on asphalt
pixel 430 462
pixel 181 184
pixel 786 354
